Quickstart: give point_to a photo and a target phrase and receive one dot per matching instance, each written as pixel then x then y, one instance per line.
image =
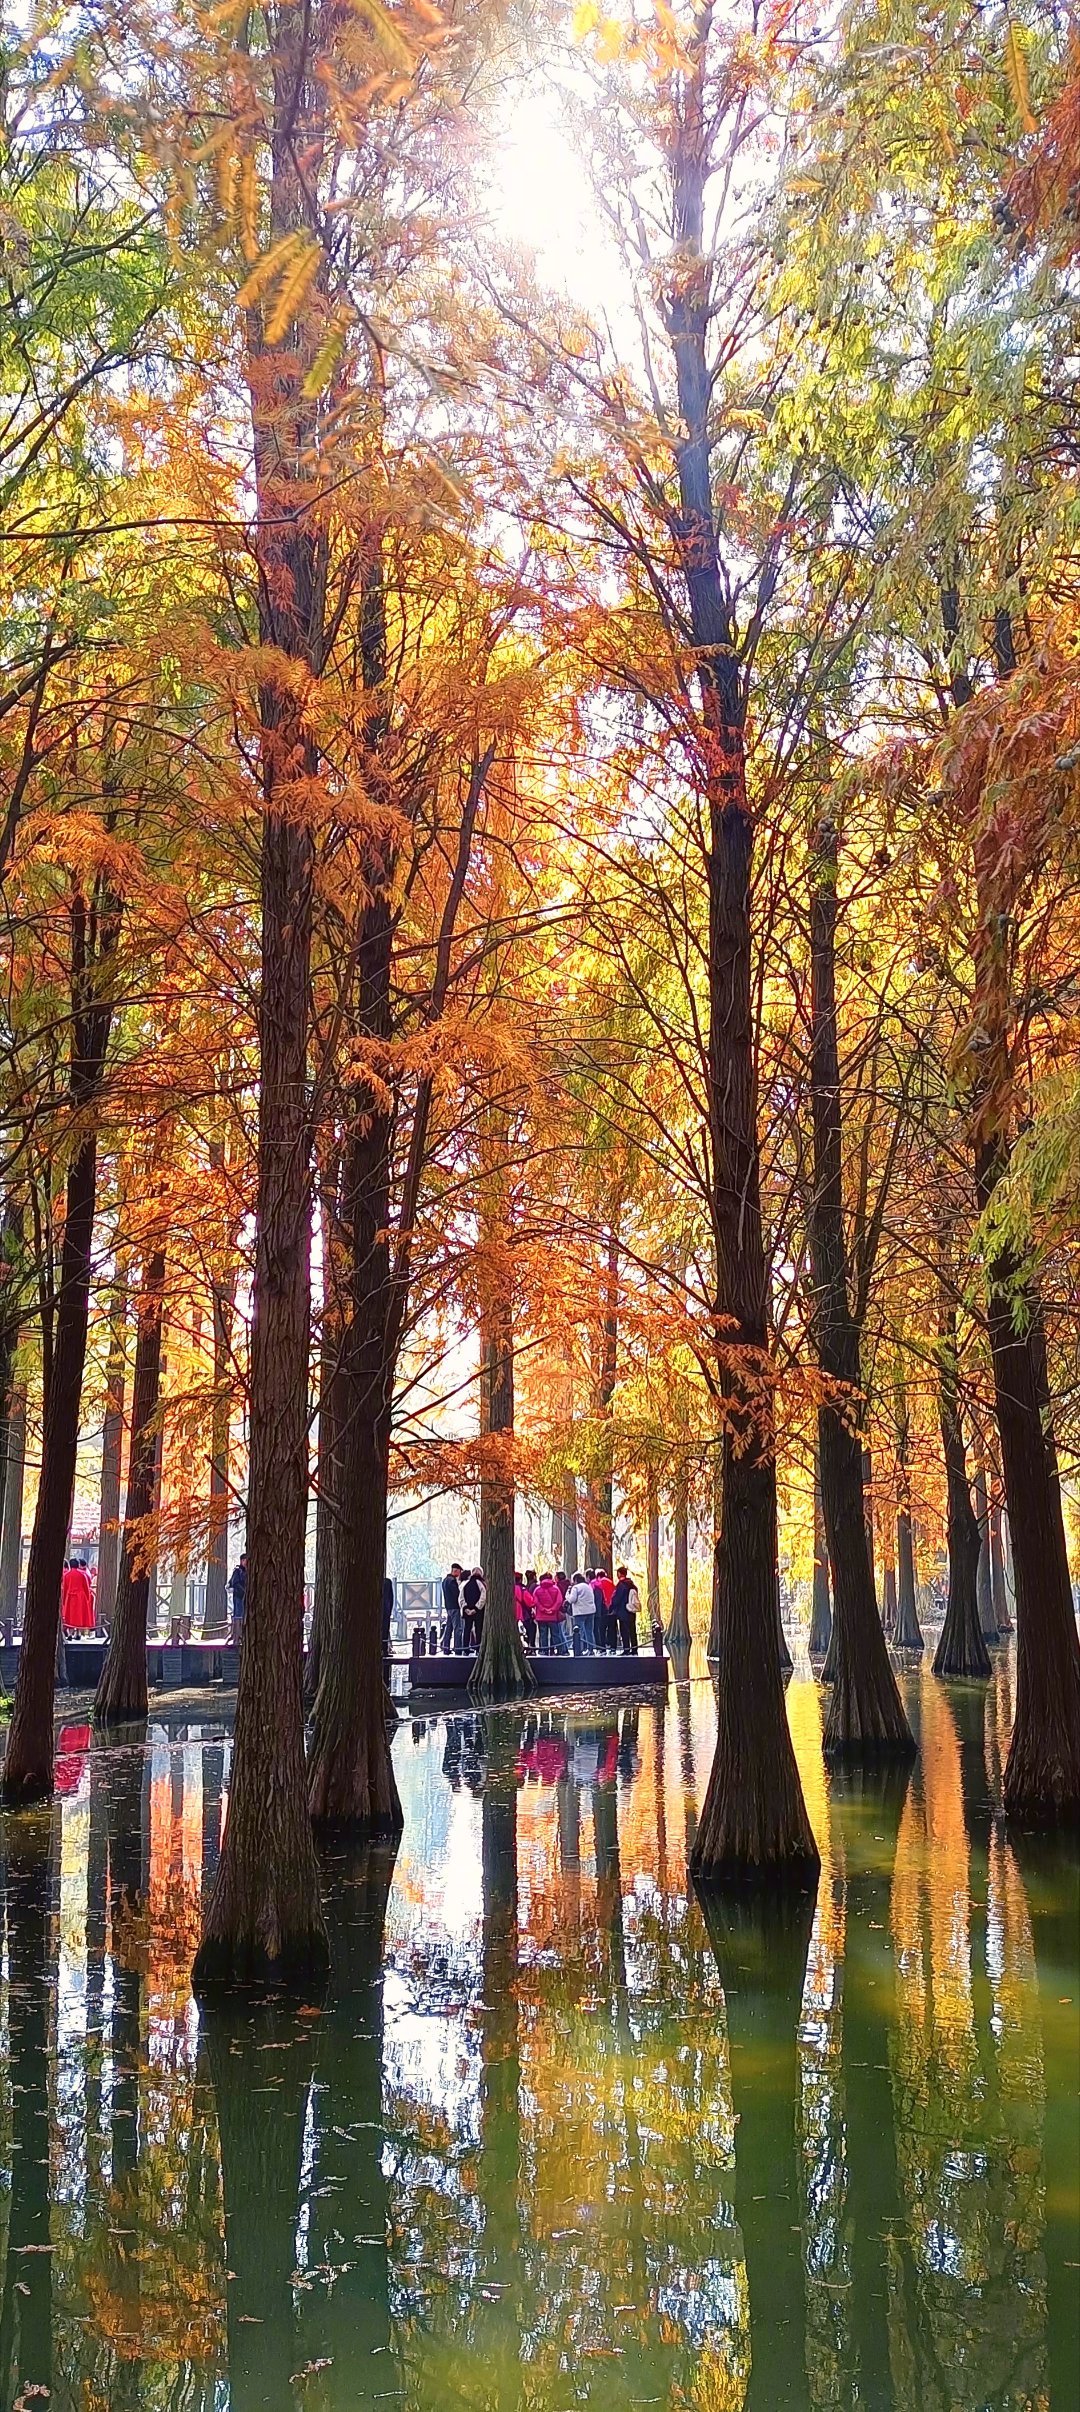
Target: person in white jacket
pixel 582 1607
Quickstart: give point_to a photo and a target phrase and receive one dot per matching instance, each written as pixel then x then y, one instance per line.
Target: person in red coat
pixel 77 1599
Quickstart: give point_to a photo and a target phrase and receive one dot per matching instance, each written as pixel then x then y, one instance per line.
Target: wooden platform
pixel 449 1677
pixel 180 1666
pixel 169 1665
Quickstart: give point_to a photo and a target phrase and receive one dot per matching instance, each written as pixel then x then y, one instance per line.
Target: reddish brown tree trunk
pixel 908 1634
pixel 678 1632
pixel 652 1556
pixel 122 1688
pixel 28 1766
pixel 961 1649
pixel 351 1781
pixel 821 1615
pixel 216 1608
pixel 112 1446
pixel 866 1715
pixel 1042 1777
pixel 500 1668
pixel 264 1918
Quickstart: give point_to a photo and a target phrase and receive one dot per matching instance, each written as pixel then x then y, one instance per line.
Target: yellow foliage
pixel 1016 70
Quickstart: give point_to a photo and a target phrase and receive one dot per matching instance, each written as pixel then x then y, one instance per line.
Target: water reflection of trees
pixel 547 2143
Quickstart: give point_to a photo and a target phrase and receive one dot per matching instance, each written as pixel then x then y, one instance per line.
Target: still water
pixel 555 2139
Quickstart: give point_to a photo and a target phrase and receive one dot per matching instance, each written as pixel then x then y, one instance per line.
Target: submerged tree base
pixel 1042 1777
pixel 962 1650
pixel 501 1669
pixel 866 1719
pixel 122 1696
pixel 754 1829
pixel 354 1792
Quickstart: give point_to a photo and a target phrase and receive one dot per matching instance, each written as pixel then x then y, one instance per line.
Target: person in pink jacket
pixel 548 1603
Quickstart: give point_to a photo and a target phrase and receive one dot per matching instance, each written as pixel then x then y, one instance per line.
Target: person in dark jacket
pixel 623 1610
pixel 238 1588
pixel 473 1601
pixel 451 1600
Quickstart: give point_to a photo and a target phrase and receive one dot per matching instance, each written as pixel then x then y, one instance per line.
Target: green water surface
pixel 556 2138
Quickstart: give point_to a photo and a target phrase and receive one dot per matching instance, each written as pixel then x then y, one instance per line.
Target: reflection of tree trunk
pixel 14 1474
pixel 213 1772
pixel 609 1912
pixel 123 1770
pixel 1051 1874
pixel 870 1808
pixel 26 2361
pixel 260 2069
pixel 687 1769
pixel 97 1877
pixel 678 1632
pixel 760 1946
pixel 821 1617
pixel 346 2316
pixel 500 2098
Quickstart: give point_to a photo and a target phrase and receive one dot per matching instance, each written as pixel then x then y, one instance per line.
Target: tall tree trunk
pixel 600 1492
pixel 500 1667
pixel 868 1509
pixel 888 1600
pixel 12 1406
pixel 328 1503
pixel 678 1632
pixel 351 1783
pixel 28 1766
pixel 265 1915
pixel 1042 1777
pixel 652 1555
pixel 122 1690
pixel 14 1479
pixel 216 1608
pixel 866 1715
pixel 112 1448
pixel 998 1593
pixel 753 1819
pixel 961 1649
pixel 713 1651
pixel 821 1616
pixel 983 1587
pixel 908 1635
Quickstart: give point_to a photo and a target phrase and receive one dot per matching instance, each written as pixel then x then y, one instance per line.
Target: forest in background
pixel 541 840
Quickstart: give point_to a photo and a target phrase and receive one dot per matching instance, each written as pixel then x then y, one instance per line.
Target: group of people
pixel 464 1594
pixel 586 1613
